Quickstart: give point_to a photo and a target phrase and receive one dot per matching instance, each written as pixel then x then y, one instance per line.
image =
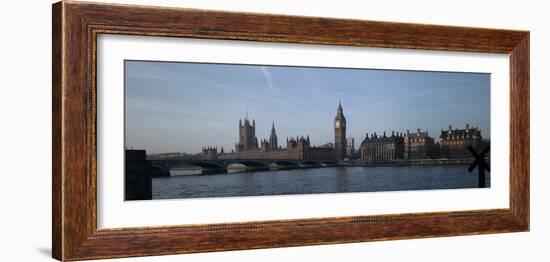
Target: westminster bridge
pixel 222 165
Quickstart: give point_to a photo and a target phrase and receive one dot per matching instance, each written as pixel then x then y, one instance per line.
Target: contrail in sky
pixel 267 78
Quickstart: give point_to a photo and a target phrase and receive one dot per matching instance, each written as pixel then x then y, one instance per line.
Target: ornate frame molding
pixel 76 26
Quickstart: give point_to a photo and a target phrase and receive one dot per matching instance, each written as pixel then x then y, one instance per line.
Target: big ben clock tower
pixel 340 133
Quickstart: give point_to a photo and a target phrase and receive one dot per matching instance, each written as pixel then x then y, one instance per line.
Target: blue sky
pixel 180 107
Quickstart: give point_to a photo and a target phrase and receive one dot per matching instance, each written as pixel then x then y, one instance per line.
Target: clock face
pixel 337 124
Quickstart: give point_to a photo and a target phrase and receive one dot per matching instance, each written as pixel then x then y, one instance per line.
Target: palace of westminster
pixel 453 143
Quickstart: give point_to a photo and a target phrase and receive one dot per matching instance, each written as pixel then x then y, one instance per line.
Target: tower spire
pixel 340 132
pixel 273 137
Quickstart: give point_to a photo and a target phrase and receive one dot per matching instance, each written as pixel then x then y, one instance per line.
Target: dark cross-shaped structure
pixel 481 165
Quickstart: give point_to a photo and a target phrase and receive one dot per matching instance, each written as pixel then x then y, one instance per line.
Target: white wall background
pixel 25 145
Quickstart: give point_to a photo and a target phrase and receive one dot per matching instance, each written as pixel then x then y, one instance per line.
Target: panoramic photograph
pixel 200 130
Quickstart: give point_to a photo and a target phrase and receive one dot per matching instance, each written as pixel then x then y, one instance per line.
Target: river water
pixel 316 180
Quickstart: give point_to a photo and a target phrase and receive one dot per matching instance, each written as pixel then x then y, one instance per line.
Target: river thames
pixel 316 181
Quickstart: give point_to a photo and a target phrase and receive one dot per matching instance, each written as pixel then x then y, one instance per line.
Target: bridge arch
pixel 250 163
pixel 159 168
pixel 329 163
pixel 158 171
pixel 310 164
pixel 284 164
pixel 203 164
pixel 199 167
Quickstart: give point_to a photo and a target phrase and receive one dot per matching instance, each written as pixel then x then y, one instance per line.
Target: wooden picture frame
pixel 76 26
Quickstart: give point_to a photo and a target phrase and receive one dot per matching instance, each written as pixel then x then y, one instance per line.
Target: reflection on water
pixel 316 180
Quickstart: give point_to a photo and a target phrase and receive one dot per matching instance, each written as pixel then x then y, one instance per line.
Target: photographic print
pixel 199 130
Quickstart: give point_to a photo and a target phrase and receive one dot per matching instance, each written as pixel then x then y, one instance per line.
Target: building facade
pixel 247 136
pixel 376 148
pixel 419 145
pixel 297 148
pixel 209 152
pixel 454 142
pixel 397 146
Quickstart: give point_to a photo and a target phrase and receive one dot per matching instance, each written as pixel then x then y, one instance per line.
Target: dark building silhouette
pixel 454 142
pixel 340 133
pixel 383 147
pixel 138 176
